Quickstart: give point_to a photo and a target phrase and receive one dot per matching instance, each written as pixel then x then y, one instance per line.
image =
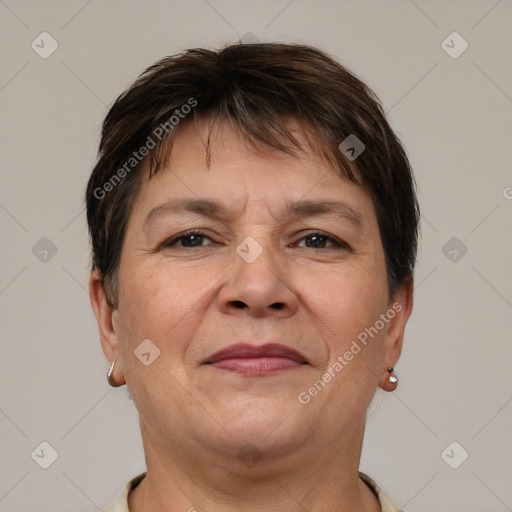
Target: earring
pixel 110 377
pixel 391 381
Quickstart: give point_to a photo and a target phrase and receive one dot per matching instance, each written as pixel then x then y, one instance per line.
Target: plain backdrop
pixel 452 108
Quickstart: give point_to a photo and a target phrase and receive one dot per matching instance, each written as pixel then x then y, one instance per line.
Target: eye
pixel 190 239
pixel 196 238
pixel 319 240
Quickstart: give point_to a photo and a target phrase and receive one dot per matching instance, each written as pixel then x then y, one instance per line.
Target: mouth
pixel 251 359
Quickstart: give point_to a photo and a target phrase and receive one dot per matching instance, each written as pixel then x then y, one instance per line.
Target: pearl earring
pixel 391 381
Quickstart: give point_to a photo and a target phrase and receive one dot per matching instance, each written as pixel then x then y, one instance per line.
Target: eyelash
pixel 337 244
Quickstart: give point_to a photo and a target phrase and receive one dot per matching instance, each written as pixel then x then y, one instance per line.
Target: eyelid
pixel 175 239
pixel 337 242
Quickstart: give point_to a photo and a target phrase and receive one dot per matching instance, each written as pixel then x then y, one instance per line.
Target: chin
pixel 270 426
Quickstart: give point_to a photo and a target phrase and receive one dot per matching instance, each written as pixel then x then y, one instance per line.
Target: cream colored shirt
pixel 120 503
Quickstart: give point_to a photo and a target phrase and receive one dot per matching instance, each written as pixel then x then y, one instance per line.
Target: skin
pixel 191 302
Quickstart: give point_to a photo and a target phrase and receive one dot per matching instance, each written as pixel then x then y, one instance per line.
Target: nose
pixel 259 287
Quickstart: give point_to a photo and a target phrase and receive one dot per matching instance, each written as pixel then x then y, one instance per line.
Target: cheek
pixel 164 308
pixel 165 304
pixel 346 307
pixel 345 301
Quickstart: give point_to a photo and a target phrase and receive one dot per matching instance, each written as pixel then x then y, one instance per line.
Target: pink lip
pixel 268 358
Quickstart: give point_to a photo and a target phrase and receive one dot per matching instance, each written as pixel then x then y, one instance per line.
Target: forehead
pixel 241 172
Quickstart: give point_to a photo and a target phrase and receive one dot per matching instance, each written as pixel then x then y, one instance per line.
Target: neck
pixel 179 481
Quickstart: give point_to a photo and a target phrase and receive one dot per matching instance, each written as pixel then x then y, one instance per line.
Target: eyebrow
pixel 215 210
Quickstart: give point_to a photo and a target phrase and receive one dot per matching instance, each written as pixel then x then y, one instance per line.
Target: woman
pixel 254 222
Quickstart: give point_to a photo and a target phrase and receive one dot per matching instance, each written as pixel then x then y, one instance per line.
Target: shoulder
pixel 384 500
pixel 120 503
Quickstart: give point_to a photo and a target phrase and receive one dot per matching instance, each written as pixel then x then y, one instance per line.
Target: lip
pixel 267 358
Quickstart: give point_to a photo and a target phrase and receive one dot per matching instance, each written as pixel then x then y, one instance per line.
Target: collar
pixel 120 503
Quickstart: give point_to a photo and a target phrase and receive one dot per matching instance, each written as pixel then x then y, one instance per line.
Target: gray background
pixel 454 117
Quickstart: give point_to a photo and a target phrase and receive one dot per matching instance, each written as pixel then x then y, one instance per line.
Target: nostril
pixel 242 305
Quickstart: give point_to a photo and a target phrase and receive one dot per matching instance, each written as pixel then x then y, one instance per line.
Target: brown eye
pixel 191 240
pixel 188 240
pixel 319 240
pixel 316 241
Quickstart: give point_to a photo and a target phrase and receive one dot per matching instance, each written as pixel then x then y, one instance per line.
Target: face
pixel 259 249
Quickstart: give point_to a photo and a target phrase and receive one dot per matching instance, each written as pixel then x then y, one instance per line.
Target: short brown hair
pixel 257 88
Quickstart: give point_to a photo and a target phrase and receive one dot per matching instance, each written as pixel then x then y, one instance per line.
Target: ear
pixel 105 317
pixel 401 304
